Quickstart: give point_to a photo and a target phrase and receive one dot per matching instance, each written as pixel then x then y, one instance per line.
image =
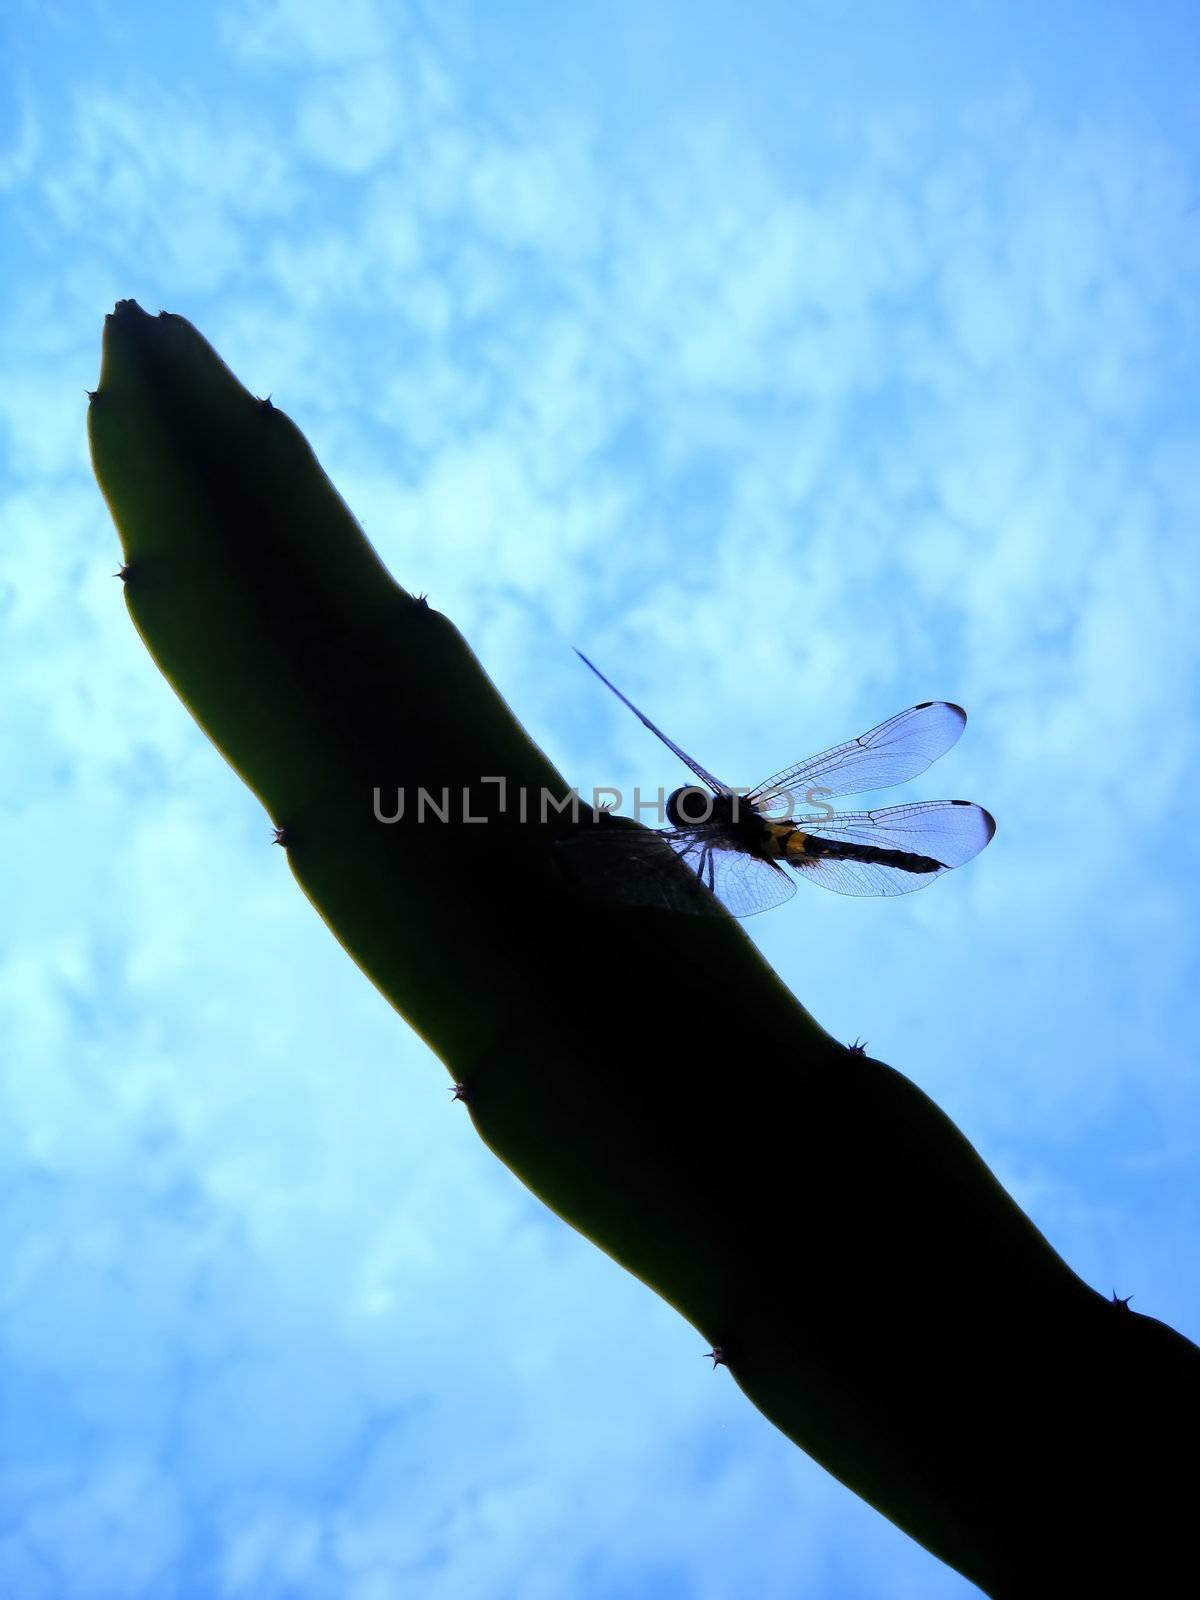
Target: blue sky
pixel 797 368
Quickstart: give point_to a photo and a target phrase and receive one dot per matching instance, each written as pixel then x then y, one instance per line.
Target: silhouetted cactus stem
pixel 891 1308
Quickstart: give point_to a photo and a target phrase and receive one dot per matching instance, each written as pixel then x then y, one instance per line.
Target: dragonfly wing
pixel 948 832
pixel 695 871
pixel 952 831
pixel 745 883
pixel 895 751
pixel 639 866
pixel 864 877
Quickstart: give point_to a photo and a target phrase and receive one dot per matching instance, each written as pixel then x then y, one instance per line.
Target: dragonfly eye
pixel 690 806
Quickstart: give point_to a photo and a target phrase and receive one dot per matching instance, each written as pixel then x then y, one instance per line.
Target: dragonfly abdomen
pixel 803 847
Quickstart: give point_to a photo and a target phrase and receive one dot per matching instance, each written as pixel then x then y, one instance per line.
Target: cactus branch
pixel 886 1303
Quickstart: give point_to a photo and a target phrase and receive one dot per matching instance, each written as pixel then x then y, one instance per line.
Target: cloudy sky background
pixel 797 369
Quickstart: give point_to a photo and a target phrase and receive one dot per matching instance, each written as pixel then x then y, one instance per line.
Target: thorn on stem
pixel 91 394
pixel 1121 1300
pixel 264 405
pixel 717 1356
pixel 279 836
pixel 458 1091
pixel 858 1048
pixel 122 572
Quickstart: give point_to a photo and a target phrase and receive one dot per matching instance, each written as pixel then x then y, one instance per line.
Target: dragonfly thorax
pixel 693 806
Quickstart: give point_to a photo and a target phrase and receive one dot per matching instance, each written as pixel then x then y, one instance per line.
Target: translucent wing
pixel 695 871
pixel 952 831
pixel 634 865
pixel 745 883
pixel 946 831
pixel 895 751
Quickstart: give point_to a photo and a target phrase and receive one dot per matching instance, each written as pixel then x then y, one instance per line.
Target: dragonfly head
pixel 692 805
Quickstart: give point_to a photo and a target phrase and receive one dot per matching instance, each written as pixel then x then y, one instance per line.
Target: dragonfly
pixel 746 850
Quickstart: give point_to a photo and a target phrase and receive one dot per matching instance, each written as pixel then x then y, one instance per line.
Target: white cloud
pixel 351 120
pixel 165 183
pixel 19 160
pixel 298 32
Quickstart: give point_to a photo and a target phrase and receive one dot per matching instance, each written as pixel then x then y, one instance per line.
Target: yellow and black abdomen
pixel 801 847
